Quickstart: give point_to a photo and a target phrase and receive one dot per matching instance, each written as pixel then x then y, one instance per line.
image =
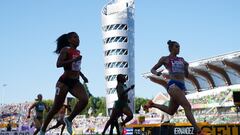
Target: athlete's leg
pixel 62 129
pixel 61 93
pixel 38 124
pixel 117 127
pixel 36 131
pixel 114 124
pixel 79 92
pixel 106 126
pixel 111 128
pixel 55 126
pixel 179 96
pixel 111 120
pixel 171 109
pixel 127 111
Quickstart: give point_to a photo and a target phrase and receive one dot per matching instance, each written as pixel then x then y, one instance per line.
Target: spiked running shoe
pixel 42 132
pixel 69 125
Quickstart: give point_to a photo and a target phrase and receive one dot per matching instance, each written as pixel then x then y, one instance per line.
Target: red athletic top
pixel 74 66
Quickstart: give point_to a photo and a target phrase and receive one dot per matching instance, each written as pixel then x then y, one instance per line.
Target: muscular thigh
pixel 115 114
pixel 79 91
pixel 178 96
pixel 173 105
pixel 127 111
pixel 38 122
pixel 61 89
pixel 61 92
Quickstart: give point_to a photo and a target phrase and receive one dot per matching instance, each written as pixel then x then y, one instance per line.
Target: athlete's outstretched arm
pixel 158 65
pixel 83 77
pixel 127 90
pixel 29 111
pixel 46 107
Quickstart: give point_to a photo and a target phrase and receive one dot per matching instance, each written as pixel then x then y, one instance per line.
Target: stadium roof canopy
pixel 206 74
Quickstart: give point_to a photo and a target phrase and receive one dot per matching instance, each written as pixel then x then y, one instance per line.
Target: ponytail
pixel 62 42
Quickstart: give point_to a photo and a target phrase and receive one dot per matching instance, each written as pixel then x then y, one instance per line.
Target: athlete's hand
pixel 132 87
pixel 85 79
pixel 159 73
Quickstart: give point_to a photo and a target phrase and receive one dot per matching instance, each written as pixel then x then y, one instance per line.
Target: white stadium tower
pixel 118 38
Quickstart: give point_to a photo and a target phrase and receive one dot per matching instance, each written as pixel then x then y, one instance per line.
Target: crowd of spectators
pixel 214 99
pixel 221 115
pixel 16 115
pixel 214 108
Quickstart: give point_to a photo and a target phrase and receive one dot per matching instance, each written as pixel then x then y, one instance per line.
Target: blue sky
pixel 28 30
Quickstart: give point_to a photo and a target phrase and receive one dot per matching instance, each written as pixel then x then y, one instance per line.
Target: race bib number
pixel 177 67
pixel 57 90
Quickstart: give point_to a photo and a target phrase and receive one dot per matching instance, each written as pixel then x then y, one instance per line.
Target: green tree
pixel 49 104
pixel 98 104
pixel 101 106
pixel 139 102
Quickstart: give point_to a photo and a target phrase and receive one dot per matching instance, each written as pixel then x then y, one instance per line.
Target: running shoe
pixel 69 125
pixel 42 132
pixel 121 128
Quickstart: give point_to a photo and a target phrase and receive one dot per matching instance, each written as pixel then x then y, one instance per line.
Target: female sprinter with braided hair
pixel 70 59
